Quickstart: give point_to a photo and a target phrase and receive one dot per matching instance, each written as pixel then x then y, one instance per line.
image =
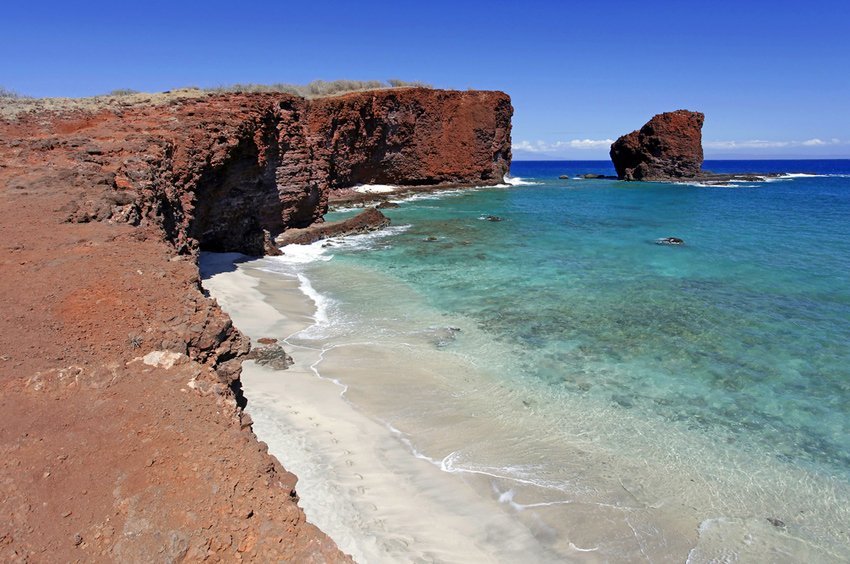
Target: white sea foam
pixel 804 175
pixel 517 181
pixel 366 240
pixel 430 195
pixel 302 254
pixel 704 185
pixel 375 188
pixel 345 209
pixel 513 473
pixel 321 302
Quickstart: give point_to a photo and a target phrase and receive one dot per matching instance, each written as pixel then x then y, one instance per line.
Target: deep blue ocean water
pixel 727 357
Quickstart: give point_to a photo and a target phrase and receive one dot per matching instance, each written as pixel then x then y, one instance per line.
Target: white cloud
pixel 544 147
pixel 750 144
pixel 761 144
pixel 528 146
pixel 590 143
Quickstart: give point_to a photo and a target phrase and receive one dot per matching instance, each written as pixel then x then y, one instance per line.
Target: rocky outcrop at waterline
pixel 667 147
pixel 366 221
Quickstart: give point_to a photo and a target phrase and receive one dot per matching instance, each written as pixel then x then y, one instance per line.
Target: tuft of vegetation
pixel 135 341
pixel 396 83
pixel 7 94
pixel 122 92
pixel 320 88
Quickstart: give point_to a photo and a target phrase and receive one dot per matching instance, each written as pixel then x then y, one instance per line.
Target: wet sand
pixel 358 481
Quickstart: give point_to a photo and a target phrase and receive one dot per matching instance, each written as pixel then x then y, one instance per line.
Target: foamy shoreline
pixel 358 480
pixel 366 485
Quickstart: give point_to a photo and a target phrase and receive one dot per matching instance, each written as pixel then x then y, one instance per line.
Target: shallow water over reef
pixel 538 337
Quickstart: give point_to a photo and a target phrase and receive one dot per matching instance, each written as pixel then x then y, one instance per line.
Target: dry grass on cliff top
pixel 13 103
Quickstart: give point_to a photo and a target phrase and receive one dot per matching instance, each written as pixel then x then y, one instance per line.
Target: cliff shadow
pixel 237 205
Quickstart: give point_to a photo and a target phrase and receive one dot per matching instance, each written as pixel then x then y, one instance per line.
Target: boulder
pixel 668 147
pixel 669 241
pixel 368 220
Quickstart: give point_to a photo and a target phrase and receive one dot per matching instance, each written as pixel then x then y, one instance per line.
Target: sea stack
pixel 668 147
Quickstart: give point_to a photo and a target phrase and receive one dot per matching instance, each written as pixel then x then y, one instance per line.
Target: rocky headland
pixel 125 437
pixel 668 148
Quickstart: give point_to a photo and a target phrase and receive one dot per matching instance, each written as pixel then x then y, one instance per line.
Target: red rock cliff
pixel 225 172
pixel 668 147
pixel 413 136
pixel 103 455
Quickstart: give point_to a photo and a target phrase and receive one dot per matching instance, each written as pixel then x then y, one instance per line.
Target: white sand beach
pixel 358 481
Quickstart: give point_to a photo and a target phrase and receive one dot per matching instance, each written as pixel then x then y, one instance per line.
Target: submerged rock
pixel 272 356
pixel 667 147
pixel 564 177
pixel 778 523
pixel 386 205
pixel 494 218
pixel 444 336
pixel 669 241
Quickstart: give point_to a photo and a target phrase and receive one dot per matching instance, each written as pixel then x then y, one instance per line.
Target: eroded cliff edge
pixel 109 452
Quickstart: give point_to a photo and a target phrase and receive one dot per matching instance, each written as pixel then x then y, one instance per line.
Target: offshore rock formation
pixel 119 379
pixel 668 147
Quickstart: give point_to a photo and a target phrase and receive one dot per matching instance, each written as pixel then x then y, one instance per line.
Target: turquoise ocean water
pixel 739 339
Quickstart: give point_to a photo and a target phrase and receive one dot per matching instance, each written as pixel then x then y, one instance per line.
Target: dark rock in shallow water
pixel 593 176
pixel 492 218
pixel 667 147
pixel 669 241
pixel 429 239
pixel 272 356
pixel 444 336
pixel 778 523
pixel 364 222
pixel 386 205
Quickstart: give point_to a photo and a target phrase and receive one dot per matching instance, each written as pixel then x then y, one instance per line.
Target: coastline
pixel 613 513
pixel 357 476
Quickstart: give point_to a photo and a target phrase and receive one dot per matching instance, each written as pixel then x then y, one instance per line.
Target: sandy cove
pixel 407 453
pixel 363 482
pixel 358 481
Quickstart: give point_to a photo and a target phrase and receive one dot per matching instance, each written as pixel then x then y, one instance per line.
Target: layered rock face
pixel 227 173
pixel 413 137
pixel 668 147
pixel 119 379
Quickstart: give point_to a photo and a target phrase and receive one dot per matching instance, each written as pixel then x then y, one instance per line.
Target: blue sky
pixel 773 78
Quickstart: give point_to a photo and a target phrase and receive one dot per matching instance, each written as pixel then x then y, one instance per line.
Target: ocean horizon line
pixel 771 159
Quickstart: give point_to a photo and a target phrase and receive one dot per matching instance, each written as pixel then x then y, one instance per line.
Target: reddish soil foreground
pixel 109 450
